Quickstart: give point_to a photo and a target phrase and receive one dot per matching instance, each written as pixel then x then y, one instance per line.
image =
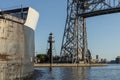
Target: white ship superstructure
pixel 17 42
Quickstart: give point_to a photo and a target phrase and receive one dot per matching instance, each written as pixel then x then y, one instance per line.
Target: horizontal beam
pixel 100 12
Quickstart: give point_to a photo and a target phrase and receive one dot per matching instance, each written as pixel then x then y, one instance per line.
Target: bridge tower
pixel 74 44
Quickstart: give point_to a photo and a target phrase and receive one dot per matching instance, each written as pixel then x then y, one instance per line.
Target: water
pixel 110 72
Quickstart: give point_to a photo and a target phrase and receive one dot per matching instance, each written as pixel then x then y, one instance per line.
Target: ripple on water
pixel 110 72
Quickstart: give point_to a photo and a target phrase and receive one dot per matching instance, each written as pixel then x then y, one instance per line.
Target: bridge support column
pixel 74 44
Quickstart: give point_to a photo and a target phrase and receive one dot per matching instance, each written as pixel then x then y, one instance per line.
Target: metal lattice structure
pixel 74 44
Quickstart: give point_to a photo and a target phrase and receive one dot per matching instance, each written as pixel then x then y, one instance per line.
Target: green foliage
pixel 42 57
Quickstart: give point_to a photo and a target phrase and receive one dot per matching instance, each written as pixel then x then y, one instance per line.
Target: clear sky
pixel 103 31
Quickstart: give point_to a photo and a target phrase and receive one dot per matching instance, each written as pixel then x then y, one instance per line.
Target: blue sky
pixel 103 31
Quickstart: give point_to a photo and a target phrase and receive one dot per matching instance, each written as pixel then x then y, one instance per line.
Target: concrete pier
pixel 68 65
pixel 17 43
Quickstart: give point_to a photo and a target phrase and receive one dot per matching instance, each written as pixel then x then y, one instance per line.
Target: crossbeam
pixel 91 8
pixel 100 12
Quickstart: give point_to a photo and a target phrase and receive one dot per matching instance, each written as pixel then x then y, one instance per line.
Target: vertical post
pixel 50 41
pixel 21 12
pixel 77 33
pixel 84 40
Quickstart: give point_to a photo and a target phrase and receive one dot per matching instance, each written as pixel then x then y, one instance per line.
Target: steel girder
pixel 74 44
pixel 98 7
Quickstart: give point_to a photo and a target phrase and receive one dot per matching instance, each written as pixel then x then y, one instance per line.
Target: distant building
pixel 117 60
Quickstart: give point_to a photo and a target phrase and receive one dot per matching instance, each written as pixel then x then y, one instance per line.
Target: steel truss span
pixel 74 44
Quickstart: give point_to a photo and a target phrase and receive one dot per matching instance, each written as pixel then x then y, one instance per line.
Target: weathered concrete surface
pixel 17 46
pixel 12 47
pixel 69 65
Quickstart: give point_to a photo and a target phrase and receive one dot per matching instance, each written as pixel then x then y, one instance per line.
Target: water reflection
pixel 110 72
pixel 62 73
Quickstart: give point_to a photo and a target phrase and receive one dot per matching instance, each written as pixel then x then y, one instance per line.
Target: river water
pixel 110 72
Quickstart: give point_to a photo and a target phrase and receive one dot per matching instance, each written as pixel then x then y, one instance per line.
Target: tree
pixel 42 57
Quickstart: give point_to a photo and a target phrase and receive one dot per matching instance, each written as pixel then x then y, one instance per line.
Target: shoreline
pixel 68 65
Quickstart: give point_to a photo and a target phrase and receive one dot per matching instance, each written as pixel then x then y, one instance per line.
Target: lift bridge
pixel 74 44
